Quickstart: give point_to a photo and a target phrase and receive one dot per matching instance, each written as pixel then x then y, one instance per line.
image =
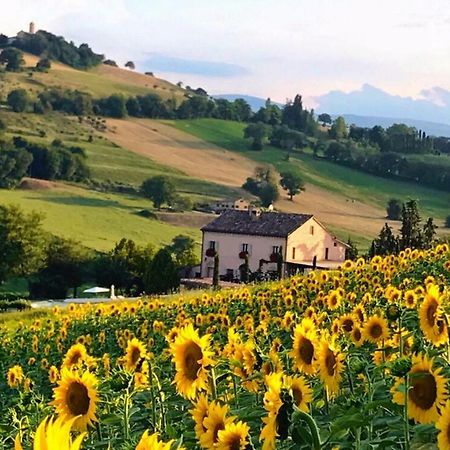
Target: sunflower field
pixel 350 359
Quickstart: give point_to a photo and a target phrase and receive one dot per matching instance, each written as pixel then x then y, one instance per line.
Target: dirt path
pixel 171 147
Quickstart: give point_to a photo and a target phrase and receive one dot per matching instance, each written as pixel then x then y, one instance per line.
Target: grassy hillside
pixel 96 219
pixel 334 178
pixel 99 81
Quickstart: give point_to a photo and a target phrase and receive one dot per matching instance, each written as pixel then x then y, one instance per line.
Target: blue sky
pixel 261 47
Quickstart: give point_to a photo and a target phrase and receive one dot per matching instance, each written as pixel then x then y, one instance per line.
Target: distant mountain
pixel 433 106
pixel 254 102
pixel 432 128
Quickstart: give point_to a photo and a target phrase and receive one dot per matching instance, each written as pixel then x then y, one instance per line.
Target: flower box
pixel 243 255
pixel 274 257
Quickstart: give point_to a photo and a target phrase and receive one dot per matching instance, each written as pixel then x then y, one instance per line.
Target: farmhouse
pixel 239 204
pixel 266 239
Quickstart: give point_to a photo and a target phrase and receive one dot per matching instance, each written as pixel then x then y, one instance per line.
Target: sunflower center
pixel 217 428
pixel 357 335
pixel 424 390
pixel 298 395
pixel 135 355
pixel 77 399
pixel 75 358
pixel 235 443
pixel 347 325
pixel 330 362
pixel 191 360
pixel 376 331
pixel 431 312
pixel 306 351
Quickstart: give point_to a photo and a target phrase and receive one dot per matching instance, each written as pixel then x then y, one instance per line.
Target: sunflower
pixel 427 392
pixel 75 356
pixel 53 374
pixel 376 329
pixel 15 376
pixel 357 336
pixel 233 437
pixel 410 299
pixel 152 443
pixel 303 349
pixel 330 362
pixel 432 321
pixel 301 392
pixel 347 322
pixel 334 299
pixel 443 425
pixel 215 421
pixel 54 434
pixel 76 396
pixel 272 404
pixel 199 414
pixel 135 354
pixel 192 358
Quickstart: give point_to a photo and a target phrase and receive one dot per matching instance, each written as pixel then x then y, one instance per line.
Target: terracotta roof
pixel 266 224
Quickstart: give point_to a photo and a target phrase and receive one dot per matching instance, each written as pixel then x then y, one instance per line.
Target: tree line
pixel 20 158
pixel 53 265
pixel 413 234
pixel 49 46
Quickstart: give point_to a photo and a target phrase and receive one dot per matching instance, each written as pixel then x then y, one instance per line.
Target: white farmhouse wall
pixel 307 244
pixel 228 247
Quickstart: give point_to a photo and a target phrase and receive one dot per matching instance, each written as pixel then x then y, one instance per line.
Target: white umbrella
pixel 96 290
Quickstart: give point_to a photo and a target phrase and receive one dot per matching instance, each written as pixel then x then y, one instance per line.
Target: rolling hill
pixel 206 158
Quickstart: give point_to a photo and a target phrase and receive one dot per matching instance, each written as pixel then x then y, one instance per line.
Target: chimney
pixel 254 213
pixel 32 28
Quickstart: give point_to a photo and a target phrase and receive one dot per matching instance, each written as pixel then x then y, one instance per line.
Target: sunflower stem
pixel 152 396
pixel 213 384
pixel 400 337
pixel 406 412
pixel 126 413
pixel 316 444
pixel 236 401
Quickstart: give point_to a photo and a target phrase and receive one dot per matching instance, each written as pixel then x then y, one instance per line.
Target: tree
pixel 130 65
pixel 351 251
pixel 268 193
pixel 14 164
pixel 394 209
pixel 21 242
pixel 245 270
pixel 162 276
pixel 410 231
pixel 386 243
pixel 43 65
pixel 429 233
pixel 159 190
pixel 325 119
pixel 258 132
pixel 110 62
pixel 339 128
pixel 18 100
pixel 13 59
pixel 183 250
pixel 65 268
pixel 292 183
pixel 447 222
pixel 3 40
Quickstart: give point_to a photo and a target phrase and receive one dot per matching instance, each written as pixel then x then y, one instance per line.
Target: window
pixel 311 230
pixel 326 253
pixel 276 249
pixel 244 248
pixel 212 245
pixel 293 252
pixel 335 244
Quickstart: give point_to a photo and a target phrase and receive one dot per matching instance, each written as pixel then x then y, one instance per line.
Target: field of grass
pixel 99 81
pixel 332 177
pixel 97 220
pixel 108 162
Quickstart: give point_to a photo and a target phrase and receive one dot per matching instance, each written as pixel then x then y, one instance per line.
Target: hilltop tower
pixel 32 28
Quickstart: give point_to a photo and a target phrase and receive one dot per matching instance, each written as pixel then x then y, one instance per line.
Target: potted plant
pixel 243 254
pixel 274 257
pixel 210 252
